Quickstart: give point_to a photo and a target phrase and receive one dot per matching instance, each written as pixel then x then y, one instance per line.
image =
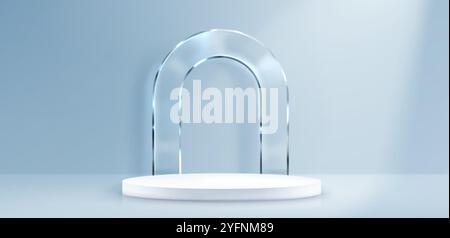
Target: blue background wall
pixel 369 80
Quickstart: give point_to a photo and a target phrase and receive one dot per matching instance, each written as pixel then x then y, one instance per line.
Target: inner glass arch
pixel 216 43
pixel 243 152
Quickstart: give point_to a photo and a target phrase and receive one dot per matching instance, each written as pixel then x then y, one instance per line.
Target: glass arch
pixel 188 54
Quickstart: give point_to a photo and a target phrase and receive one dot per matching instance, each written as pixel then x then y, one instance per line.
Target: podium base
pixel 221 186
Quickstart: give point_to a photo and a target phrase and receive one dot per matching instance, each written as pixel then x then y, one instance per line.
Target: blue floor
pixel 343 196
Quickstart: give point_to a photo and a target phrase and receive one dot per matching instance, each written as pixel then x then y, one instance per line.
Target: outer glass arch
pixel 167 153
